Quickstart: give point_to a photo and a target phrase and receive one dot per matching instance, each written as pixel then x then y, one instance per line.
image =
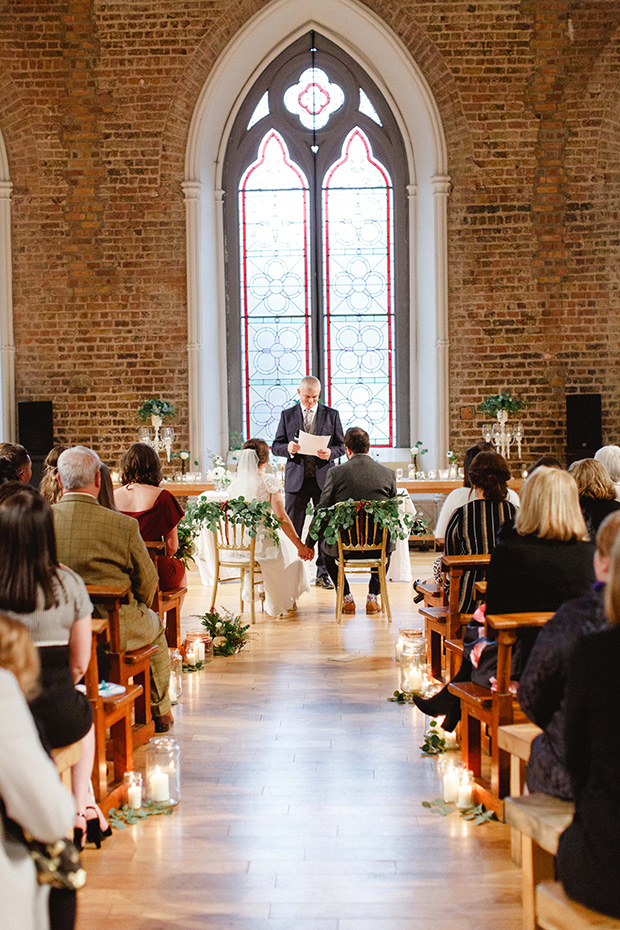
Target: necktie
pixel 307 420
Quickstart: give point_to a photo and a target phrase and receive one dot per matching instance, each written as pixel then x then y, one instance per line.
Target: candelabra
pixel 501 436
pixel 161 437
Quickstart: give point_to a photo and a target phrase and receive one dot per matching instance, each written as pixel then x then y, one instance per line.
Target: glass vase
pixel 163 772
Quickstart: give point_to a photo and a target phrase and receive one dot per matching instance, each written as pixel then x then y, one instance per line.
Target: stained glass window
pixel 358 289
pixel 316 241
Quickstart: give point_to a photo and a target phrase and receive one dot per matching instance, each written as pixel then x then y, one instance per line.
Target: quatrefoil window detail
pixel 314 98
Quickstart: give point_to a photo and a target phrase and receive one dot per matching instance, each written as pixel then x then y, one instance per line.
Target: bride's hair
pixel 260 447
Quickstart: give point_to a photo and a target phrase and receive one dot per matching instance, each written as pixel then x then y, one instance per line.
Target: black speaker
pixel 584 431
pixel 35 423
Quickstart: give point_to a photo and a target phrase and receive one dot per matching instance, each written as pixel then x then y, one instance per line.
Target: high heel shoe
pixel 94 833
pixel 438 704
pixel 79 833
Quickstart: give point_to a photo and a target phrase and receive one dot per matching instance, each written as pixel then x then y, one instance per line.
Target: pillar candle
pixel 450 785
pixel 159 786
pixel 134 797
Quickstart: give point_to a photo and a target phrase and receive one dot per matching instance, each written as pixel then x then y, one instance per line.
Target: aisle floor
pixel 302 791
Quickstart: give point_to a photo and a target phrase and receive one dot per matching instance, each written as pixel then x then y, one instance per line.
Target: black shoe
pixel 419 595
pixel 452 717
pixel 438 704
pixel 324 581
pixel 94 833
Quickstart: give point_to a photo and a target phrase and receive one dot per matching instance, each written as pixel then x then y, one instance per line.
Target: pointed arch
pixel 367 39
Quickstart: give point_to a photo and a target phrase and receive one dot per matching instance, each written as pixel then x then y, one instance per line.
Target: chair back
pixel 233 543
pixel 365 538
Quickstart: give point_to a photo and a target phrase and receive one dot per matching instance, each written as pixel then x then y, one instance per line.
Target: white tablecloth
pixel 400 564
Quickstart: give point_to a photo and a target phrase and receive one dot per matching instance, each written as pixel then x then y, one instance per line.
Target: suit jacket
pixel 326 423
pixel 105 547
pixel 360 478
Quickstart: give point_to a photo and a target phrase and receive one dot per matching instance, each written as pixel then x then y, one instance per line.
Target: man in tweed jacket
pixel 105 547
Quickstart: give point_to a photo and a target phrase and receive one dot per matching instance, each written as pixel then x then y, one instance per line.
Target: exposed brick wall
pixel 96 100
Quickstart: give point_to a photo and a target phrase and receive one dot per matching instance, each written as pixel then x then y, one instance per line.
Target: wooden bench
pixel 431 592
pixel 127 666
pixel 556 911
pixel 516 739
pixel 113 714
pixel 65 757
pixel 445 622
pixel 482 707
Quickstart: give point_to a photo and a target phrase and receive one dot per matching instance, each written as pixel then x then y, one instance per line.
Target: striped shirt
pixel 473 530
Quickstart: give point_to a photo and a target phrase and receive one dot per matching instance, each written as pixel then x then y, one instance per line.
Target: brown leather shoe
pixel 348 607
pixel 372 606
pixel 163 722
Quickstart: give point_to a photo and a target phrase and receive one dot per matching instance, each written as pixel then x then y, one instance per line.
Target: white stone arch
pixel 7 346
pixel 367 39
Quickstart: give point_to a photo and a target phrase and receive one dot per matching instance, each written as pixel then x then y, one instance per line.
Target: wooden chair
pixel 168 603
pixel 127 666
pixel 65 757
pixel 445 622
pixel 235 548
pixel 113 714
pixel 360 549
pixel 481 707
pixel 516 739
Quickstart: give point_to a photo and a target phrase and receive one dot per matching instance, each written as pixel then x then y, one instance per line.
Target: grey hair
pixel 609 456
pixel 77 468
pixel 310 382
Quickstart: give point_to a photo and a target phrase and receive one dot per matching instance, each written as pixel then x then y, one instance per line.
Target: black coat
pixel 531 574
pixel 595 510
pixel 589 850
pixel 543 684
pixel 326 423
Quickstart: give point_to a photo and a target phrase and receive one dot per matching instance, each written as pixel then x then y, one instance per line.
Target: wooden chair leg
pixel 471 739
pixel 122 739
pixel 252 601
pixel 385 601
pixel 340 592
pixel 215 584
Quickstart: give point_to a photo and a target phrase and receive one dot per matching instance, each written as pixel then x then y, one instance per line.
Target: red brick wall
pixel 95 104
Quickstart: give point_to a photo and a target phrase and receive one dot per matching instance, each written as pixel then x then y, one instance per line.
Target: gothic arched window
pixel 317 246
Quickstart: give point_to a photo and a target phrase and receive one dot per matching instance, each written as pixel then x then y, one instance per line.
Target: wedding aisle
pixel 302 792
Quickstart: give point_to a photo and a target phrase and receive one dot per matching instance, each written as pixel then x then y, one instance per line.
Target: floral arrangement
pixel 452 457
pixel 329 522
pixel 155 408
pixel 187 546
pixel 505 400
pixel 253 515
pixel 219 474
pixel 229 633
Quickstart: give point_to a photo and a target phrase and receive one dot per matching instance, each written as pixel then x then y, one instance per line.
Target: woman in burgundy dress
pixel 156 510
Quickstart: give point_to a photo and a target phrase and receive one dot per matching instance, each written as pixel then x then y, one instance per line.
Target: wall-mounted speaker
pixel 35 423
pixel 584 431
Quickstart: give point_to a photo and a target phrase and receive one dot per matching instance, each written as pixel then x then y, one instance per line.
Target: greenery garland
pixel 505 400
pixel 253 515
pixel 155 408
pixel 329 522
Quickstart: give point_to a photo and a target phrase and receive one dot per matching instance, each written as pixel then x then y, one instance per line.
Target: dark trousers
pixel 374 585
pixel 295 505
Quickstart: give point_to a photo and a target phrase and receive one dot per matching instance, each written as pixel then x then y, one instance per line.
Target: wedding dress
pixel 285 576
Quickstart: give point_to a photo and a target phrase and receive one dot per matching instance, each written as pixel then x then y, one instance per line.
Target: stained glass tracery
pixel 314 98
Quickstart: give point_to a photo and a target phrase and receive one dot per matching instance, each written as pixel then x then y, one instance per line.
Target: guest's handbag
pixel 58 864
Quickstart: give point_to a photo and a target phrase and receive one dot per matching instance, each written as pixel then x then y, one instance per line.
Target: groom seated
pixel 359 478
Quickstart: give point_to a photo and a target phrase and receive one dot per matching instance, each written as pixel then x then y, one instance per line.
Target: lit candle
pixel 134 797
pixel 450 738
pixel 159 786
pixel 199 649
pixel 172 693
pixel 190 656
pixel 450 785
pixel 465 795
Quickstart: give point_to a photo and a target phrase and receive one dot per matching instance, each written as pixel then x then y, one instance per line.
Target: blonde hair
pixel 593 480
pixel 612 587
pixel 19 655
pixel 550 506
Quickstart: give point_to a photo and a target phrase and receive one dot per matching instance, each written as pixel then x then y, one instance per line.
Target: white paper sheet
pixel 310 444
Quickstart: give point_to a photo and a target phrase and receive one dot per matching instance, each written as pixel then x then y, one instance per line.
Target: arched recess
pixel 367 39
pixel 7 345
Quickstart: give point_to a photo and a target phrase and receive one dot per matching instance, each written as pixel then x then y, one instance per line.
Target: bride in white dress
pixel 285 577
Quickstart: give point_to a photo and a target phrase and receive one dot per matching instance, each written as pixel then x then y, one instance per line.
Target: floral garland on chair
pixel 329 522
pixel 253 515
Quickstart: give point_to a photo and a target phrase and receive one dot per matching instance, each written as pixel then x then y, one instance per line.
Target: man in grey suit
pixel 360 478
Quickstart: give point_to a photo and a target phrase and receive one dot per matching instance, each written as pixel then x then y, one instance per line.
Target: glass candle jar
pixel 413 636
pixel 175 689
pixel 409 662
pixel 465 795
pixel 202 645
pixel 134 789
pixel 163 772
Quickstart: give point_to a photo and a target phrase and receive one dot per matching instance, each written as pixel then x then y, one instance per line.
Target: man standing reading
pixel 305 475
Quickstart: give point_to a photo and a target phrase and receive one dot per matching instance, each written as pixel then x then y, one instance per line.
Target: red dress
pixel 156 522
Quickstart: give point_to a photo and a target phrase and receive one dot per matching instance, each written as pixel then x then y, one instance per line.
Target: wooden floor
pixel 302 792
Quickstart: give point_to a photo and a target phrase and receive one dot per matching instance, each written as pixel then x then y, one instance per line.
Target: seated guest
pixel 7 471
pixel 359 478
pixel 49 485
pixel 105 548
pixel 156 509
pixel 609 457
pixel 589 849
pixel 543 683
pixel 549 461
pixel 461 496
pixel 473 528
pixel 597 494
pixel 19 459
pixel 106 490
pixel 52 603
pixel 544 560
pixel 32 796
